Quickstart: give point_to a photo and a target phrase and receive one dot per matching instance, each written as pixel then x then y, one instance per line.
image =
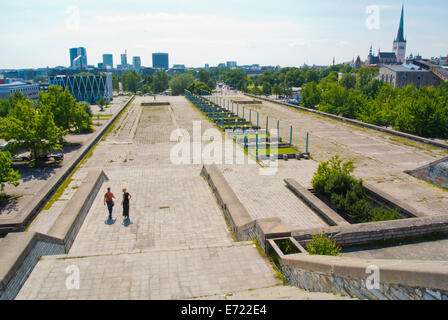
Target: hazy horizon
pixel 39 33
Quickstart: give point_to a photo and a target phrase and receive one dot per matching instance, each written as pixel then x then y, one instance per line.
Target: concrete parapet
pixel 331 217
pixel 234 210
pixel 67 225
pixel 20 252
pixel 365 233
pixel 397 279
pixel 154 104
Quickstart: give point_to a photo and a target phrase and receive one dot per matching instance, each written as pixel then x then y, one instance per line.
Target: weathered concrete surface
pixel 277 293
pixel 177 244
pixel 380 159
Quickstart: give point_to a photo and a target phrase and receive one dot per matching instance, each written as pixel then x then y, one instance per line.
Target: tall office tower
pixel 160 61
pixel 231 64
pixel 124 60
pixel 108 61
pixel 78 58
pixel 400 42
pixel 137 63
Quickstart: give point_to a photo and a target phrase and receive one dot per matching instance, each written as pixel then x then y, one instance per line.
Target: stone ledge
pixel 64 226
pixel 154 104
pixel 359 123
pixel 229 202
pixel 331 217
pixel 13 251
pixel 364 233
pixel 412 273
pixel 405 209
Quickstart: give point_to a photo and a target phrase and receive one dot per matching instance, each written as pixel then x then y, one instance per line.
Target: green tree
pixel 312 76
pixel 199 88
pixel 62 105
pixel 348 81
pixel 7 174
pixel 160 82
pixel 101 103
pixel 320 244
pixel 31 129
pixel 267 88
pixel 311 95
pixel 179 83
pixel 115 82
pixel 130 81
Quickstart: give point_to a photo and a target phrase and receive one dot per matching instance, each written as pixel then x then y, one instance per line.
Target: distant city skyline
pixel 197 32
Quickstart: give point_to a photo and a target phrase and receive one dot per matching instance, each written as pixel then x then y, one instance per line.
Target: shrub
pixel 320 244
pixel 334 180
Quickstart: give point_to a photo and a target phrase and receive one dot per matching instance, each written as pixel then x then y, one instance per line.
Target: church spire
pixel 400 35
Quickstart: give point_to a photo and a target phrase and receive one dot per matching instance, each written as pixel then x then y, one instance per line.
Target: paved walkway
pixel 177 245
pixel 380 159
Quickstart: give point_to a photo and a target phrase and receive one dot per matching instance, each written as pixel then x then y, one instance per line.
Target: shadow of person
pixel 110 222
pixel 127 222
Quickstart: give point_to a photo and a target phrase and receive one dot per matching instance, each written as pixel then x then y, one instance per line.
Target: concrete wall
pixel 396 279
pixel 20 252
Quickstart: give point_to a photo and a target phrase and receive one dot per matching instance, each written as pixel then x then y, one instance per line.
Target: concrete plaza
pixel 178 245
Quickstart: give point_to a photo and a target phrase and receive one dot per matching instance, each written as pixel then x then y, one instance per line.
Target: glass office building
pixel 160 61
pixel 86 88
pixel 108 61
pixel 78 58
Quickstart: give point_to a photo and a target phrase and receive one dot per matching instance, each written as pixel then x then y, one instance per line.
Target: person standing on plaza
pixel 109 200
pixel 125 202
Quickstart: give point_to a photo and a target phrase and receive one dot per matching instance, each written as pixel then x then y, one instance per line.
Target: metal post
pixel 258 120
pixel 267 124
pixel 257 145
pixel 278 129
pixel 307 141
pixel 232 106
pixel 290 138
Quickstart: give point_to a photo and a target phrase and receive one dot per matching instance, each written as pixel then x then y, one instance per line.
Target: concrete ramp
pixel 435 173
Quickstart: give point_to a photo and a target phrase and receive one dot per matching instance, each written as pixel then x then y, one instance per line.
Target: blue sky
pixel 38 33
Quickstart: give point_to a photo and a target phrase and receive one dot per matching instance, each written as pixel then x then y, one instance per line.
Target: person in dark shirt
pixel 125 202
pixel 109 200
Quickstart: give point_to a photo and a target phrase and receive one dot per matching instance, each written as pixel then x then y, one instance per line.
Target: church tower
pixel 400 42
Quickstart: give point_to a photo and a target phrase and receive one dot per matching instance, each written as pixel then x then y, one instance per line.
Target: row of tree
pixel 420 111
pixel 40 127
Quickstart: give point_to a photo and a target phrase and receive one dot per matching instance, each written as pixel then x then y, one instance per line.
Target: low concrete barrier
pixel 236 214
pixel 366 279
pixel 331 217
pixel 365 233
pixel 153 104
pixel 70 220
pixel 359 123
pixel 20 252
pixel 25 216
